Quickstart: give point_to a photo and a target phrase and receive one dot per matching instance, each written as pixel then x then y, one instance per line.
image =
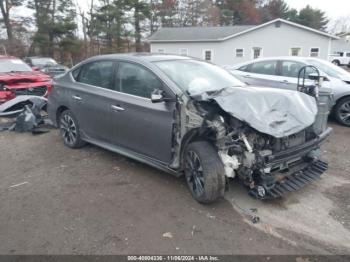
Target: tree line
pixel 70 32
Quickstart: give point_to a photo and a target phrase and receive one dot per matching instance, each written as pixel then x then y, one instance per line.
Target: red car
pixel 18 78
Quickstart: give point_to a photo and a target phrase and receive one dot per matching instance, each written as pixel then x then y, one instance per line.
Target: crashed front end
pixel 266 138
pixel 271 166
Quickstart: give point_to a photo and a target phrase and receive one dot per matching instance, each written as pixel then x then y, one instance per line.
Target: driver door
pixel 142 126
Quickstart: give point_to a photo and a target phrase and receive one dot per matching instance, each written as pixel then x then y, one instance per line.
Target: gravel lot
pixel 55 200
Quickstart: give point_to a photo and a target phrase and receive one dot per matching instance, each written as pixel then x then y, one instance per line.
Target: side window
pixel 75 73
pixel 245 68
pixel 136 80
pixel 264 68
pixel 99 73
pixel 290 68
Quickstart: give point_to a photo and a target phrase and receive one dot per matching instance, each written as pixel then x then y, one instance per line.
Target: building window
pixel 183 51
pixel 295 51
pixel 314 52
pixel 208 55
pixel 257 52
pixel 239 52
pixel 161 50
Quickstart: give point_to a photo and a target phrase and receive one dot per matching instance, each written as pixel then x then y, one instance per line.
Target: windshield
pixel 197 77
pixel 43 61
pixel 13 65
pixel 328 68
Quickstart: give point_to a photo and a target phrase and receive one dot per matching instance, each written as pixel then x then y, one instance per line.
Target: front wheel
pixel 342 111
pixel 69 130
pixel 204 172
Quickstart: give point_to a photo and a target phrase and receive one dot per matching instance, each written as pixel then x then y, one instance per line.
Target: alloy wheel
pixel 68 129
pixel 344 113
pixel 194 173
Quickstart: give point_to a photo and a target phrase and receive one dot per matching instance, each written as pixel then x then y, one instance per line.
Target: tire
pixel 342 111
pixel 336 62
pixel 69 130
pixel 204 172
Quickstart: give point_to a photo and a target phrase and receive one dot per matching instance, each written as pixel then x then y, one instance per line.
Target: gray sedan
pixel 282 72
pixel 190 117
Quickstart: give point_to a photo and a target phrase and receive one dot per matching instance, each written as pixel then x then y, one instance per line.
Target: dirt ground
pixel 55 200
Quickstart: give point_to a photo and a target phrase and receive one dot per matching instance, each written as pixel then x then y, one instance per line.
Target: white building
pixel 235 44
pixel 343 44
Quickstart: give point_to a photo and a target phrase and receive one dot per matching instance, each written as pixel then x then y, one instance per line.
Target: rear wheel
pixel 204 171
pixel 342 111
pixel 336 62
pixel 69 130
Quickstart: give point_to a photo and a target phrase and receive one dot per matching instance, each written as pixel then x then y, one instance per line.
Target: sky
pixel 333 8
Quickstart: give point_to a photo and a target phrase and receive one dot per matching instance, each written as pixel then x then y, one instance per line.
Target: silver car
pixel 282 72
pixel 190 117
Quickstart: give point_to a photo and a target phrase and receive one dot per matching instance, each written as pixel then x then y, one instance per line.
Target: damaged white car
pixel 190 117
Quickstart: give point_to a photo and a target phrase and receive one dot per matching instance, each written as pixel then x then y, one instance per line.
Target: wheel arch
pixel 191 136
pixel 59 111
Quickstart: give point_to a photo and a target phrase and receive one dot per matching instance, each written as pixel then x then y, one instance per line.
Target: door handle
pixel 78 98
pixel 117 108
pixel 247 76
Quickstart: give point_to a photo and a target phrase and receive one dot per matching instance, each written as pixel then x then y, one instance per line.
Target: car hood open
pixel 276 112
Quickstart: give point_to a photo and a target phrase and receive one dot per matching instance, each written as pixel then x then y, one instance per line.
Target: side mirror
pixel 157 96
pixel 35 68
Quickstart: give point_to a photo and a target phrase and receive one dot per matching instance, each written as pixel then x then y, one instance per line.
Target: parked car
pixel 47 65
pixel 282 72
pixel 17 78
pixel 190 117
pixel 340 58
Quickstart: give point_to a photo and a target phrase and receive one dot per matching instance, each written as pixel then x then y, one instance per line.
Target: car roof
pixel 289 58
pixel 31 57
pixel 142 57
pixel 8 57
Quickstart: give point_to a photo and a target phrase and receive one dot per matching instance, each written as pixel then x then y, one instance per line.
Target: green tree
pixel 141 12
pixel 312 17
pixel 6 6
pixel 55 20
pixel 275 9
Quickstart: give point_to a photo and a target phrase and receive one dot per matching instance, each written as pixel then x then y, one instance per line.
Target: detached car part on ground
pixel 17 78
pixel 25 114
pixel 189 117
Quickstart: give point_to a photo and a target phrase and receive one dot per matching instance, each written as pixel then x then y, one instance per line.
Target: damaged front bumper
pixel 291 169
pixel 291 182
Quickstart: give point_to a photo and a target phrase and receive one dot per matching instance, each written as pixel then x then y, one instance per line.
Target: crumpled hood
pixel 276 112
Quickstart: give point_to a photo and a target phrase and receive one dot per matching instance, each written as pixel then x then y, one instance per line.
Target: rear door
pixel 288 74
pixel 142 126
pixel 91 97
